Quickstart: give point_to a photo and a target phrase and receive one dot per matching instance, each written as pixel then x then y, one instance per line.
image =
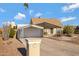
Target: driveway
pixel 50 47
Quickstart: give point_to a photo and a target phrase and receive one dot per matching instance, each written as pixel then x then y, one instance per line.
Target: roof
pixel 51 21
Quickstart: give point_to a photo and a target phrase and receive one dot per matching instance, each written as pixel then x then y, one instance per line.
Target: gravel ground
pixel 49 47
pixel 11 47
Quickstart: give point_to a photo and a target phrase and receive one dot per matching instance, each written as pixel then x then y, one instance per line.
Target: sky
pixel 67 13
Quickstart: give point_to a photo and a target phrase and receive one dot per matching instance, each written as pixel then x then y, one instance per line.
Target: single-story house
pixel 39 27
pixel 51 26
pixel 29 31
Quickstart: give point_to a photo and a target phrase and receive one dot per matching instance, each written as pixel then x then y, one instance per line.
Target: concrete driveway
pixel 50 47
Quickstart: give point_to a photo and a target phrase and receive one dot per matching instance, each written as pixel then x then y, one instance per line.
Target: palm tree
pixel 26 5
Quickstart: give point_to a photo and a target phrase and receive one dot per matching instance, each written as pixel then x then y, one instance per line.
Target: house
pixel 51 26
pixel 29 31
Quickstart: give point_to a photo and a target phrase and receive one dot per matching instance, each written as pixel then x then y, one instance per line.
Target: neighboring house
pixel 51 26
pixel 5 34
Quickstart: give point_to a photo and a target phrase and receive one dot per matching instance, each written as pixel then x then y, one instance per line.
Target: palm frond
pixel 26 5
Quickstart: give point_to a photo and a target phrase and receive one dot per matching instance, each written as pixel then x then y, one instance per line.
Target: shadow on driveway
pixel 22 51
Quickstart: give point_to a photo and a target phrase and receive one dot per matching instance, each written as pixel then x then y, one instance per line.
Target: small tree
pixel 68 30
pixel 76 30
pixel 12 32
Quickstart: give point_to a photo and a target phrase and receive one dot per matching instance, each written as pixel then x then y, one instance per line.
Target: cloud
pixel 19 16
pixel 65 19
pixel 70 7
pixel 38 14
pixel 2 10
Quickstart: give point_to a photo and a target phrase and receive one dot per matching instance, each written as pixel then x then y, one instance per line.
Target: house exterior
pixel 51 26
pixel 39 27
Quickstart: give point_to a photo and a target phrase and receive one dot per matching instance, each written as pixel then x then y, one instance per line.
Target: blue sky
pixel 65 12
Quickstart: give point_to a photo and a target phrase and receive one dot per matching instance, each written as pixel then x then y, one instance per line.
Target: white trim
pixel 33 42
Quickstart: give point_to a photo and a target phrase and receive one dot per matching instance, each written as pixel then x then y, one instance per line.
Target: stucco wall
pixel 53 31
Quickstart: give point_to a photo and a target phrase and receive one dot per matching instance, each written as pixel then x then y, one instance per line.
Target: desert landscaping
pixel 49 47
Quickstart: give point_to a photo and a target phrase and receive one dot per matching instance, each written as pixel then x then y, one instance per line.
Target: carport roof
pixel 34 26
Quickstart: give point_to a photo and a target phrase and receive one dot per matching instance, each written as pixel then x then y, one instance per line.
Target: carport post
pixel 33 46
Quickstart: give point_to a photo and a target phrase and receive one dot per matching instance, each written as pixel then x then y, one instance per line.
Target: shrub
pixel 76 30
pixel 45 33
pixel 68 30
pixel 0 31
pixel 59 33
pixel 15 27
pixel 12 32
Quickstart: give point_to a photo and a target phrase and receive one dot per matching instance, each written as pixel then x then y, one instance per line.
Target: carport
pixel 30 31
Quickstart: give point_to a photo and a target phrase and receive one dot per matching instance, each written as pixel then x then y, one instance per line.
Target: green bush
pixel 11 32
pixel 76 30
pixel 0 31
pixel 45 33
pixel 68 30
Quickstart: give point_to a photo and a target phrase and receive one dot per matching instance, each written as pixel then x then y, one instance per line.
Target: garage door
pixel 33 32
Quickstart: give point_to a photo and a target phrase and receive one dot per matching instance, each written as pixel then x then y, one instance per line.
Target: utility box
pixel 33 46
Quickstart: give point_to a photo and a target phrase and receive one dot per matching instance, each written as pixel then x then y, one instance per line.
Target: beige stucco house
pixel 39 27
pixel 51 26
